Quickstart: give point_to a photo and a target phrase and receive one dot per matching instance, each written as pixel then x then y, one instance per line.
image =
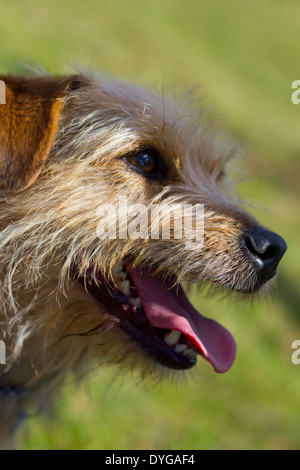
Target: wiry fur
pixel 49 323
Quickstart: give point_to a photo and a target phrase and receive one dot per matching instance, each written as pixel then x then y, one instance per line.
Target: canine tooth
pixel 180 348
pixel 117 268
pixel 121 275
pixel 126 287
pixel 120 278
pixel 137 302
pixel 172 337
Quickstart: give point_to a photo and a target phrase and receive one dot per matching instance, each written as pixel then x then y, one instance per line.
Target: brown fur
pixel 28 126
pixel 62 141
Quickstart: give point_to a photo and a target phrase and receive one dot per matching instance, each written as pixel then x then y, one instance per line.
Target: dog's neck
pixel 14 402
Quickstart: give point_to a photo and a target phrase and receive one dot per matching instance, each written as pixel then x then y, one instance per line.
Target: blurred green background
pixel 244 55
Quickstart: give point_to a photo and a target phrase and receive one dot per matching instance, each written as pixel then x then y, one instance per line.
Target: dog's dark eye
pixel 144 162
pixel 148 163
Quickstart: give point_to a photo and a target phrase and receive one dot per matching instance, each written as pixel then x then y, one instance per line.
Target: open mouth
pixel 157 314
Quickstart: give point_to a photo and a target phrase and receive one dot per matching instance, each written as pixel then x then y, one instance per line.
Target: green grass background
pixel 245 56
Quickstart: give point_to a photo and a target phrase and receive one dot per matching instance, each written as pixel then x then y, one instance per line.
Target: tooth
pixel 189 353
pixel 172 337
pixel 137 302
pixel 180 348
pixel 118 275
pixel 121 275
pixel 119 279
pixel 126 287
pixel 117 268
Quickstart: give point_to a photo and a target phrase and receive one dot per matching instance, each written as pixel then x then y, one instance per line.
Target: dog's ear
pixel 28 124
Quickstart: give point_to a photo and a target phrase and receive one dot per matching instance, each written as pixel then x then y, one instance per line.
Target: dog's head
pixel 114 194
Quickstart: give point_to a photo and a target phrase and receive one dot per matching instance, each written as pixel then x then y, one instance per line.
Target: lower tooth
pixel 189 353
pixel 137 302
pixel 180 348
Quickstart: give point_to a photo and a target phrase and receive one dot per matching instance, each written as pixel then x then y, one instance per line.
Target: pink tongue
pixel 168 307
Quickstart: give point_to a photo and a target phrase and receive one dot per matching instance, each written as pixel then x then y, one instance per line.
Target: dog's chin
pixel 259 284
pixel 156 315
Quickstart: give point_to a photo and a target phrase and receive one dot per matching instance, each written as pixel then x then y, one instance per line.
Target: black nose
pixel 266 250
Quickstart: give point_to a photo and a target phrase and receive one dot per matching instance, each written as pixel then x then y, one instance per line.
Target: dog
pixel 71 292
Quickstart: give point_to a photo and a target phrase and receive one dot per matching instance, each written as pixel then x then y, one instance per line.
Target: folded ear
pixel 28 124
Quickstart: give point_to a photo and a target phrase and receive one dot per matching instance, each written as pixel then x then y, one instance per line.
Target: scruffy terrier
pixel 70 291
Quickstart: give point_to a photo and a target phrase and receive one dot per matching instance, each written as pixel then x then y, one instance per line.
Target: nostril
pixel 271 252
pixel 262 251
